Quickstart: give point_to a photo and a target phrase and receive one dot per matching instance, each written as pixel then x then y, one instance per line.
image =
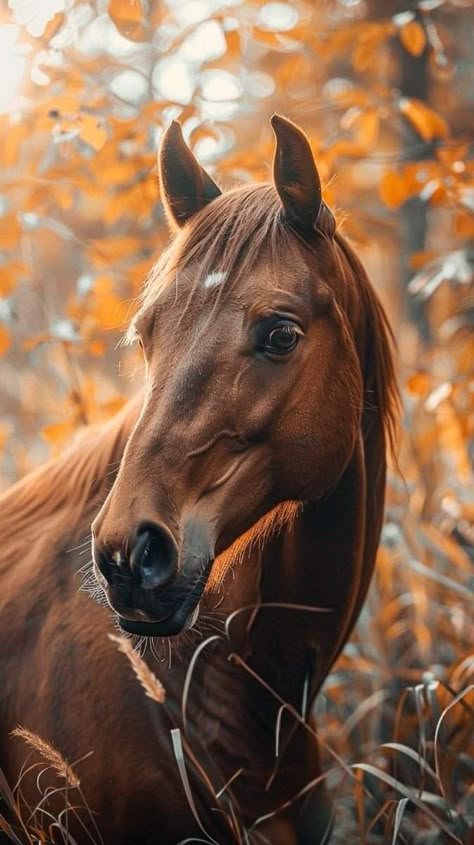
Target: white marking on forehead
pixel 214 279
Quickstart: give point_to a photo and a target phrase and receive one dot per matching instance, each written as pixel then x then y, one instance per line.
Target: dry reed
pixel 50 754
pixel 150 683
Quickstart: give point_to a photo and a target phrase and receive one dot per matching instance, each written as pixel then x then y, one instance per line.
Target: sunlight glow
pixel 220 85
pixel 173 79
pixel 34 15
pixel 259 84
pixel 130 86
pixel 278 17
pixel 191 12
pixel 188 12
pixel 12 66
pixel 206 43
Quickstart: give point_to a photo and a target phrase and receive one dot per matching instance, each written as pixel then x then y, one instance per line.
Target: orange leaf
pixel 5 432
pixel 115 173
pixel 347 149
pixel 5 340
pixel 117 206
pixel 64 198
pixel 464 224
pixel 138 273
pixel 367 128
pixel 419 259
pixel 393 189
pixel 11 141
pixel 369 38
pixel 454 152
pixel 127 16
pixel 336 41
pixel 57 433
pixel 364 56
pixel 111 312
pixel 103 286
pixel 141 198
pixel 364 123
pixel 418 384
pixel 272 39
pixel 293 70
pixel 112 406
pixel 52 27
pixel 232 38
pixel 413 38
pixel 425 120
pixel 96 348
pixel 63 104
pixel 114 249
pixel 9 275
pixel 10 231
pixel 125 10
pixel 7 282
pixel 350 98
pixel 91 131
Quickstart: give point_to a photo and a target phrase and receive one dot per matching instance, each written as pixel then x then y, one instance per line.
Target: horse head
pixel 264 346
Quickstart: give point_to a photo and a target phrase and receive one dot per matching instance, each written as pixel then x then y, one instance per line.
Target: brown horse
pixel 247 507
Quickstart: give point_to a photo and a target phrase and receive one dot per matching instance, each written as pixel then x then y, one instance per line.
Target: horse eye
pixel 282 339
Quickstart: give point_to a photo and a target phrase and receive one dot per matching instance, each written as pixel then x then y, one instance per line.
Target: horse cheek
pixel 316 434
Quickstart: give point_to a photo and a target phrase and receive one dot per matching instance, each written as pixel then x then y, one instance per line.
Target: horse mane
pixel 382 397
pixel 231 235
pixel 57 497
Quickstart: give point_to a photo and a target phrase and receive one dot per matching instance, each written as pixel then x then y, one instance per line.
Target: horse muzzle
pixel 181 619
pixel 151 593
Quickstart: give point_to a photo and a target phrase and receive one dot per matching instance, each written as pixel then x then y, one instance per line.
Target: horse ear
pixel 297 181
pixel 185 186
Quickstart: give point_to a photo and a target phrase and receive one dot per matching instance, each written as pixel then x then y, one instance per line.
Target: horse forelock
pixel 220 245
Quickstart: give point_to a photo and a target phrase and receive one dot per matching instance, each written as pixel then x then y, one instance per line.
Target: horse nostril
pixel 153 557
pixel 103 560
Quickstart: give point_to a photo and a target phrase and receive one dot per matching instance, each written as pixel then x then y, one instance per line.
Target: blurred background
pixel 385 92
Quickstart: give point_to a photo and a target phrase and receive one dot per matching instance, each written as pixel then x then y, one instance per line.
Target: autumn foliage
pixel 383 94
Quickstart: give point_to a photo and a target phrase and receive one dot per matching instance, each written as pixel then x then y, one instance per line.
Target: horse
pixel 235 509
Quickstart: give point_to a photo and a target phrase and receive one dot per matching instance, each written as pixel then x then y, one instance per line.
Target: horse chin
pixel 179 621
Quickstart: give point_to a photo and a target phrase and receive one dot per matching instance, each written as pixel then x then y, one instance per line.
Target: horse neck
pixel 291 603
pixel 243 675
pixel 253 686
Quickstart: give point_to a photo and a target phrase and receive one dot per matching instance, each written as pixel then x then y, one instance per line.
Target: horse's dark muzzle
pixel 180 618
pixel 149 561
pixel 153 593
pixel 154 557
